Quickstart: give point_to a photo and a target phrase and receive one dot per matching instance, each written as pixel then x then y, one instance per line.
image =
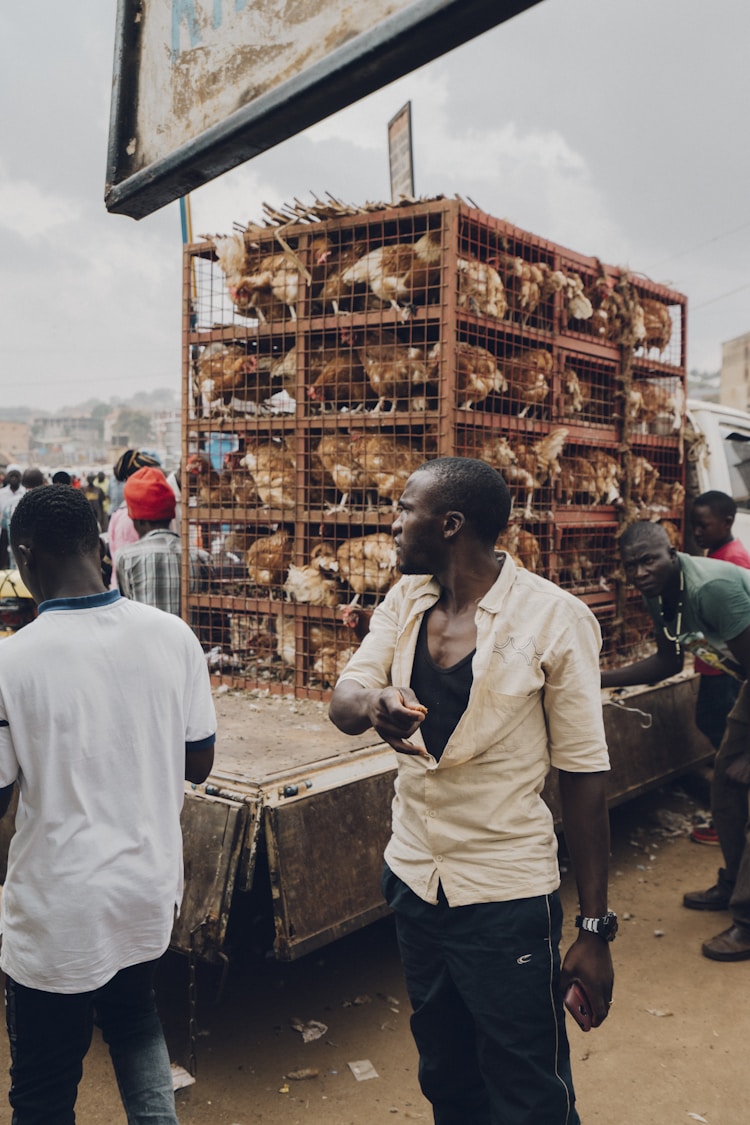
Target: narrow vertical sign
pixel 400 153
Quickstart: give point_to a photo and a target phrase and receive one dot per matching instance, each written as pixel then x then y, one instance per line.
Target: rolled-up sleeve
pixel 572 700
pixel 371 664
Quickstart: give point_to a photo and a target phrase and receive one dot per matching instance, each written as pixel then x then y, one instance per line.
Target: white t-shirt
pixel 98 698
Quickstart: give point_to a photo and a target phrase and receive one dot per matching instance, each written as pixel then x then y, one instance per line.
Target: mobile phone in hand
pixel 577 1003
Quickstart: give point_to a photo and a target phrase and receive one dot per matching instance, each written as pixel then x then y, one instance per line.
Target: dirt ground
pixel 668 1054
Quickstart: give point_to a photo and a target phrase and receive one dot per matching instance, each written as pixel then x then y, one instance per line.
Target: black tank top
pixel 444 692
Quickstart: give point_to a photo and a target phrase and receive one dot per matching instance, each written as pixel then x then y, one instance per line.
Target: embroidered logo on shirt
pixel 511 649
pixel 524 960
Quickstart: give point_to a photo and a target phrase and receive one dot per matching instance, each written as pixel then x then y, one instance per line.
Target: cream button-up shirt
pixel 475 821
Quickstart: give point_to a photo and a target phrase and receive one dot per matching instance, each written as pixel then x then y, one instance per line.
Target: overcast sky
pixel 617 129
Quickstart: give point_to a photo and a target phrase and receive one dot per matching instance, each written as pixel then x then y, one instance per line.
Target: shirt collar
pixel 161 531
pixel 491 601
pixel 90 601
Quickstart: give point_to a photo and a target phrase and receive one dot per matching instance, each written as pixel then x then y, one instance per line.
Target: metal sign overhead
pixel 200 86
pixel 401 153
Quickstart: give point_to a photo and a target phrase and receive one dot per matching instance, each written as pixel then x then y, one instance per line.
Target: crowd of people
pixel 481 675
pixel 136 513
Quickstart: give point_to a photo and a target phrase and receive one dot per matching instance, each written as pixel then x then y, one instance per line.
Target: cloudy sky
pixel 617 129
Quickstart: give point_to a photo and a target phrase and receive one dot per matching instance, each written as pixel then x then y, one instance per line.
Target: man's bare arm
pixel 586 827
pixel 665 662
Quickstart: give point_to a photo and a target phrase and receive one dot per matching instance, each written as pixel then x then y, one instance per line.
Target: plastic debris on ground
pixel 363 1069
pixel 309 1031
pixel 180 1077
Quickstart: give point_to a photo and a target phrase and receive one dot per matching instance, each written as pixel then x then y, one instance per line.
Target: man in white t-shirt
pixel 105 710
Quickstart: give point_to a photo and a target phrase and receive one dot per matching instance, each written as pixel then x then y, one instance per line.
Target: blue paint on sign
pixel 185 11
pixel 181 10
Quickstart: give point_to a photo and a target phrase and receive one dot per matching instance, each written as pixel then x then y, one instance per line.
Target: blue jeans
pixel 487 1017
pixel 50 1033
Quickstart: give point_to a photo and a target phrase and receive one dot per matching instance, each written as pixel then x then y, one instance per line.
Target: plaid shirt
pixel 149 570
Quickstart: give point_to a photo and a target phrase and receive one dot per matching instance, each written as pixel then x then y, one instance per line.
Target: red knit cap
pixel 149 497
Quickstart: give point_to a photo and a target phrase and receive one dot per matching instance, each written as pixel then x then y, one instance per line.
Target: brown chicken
pixel 338 380
pixel 400 275
pixel 329 663
pixel 521 545
pixel 542 457
pixel 477 373
pixel 367 564
pixel 673 532
pixel 387 462
pixel 655 405
pixel 200 473
pixel 497 451
pixel 669 494
pixel 277 280
pixel 337 453
pixel 397 372
pixel 317 582
pixel 657 324
pixel 333 290
pixel 272 467
pixel 268 559
pixel 617 313
pixel 480 288
pixel 576 393
pixel 216 491
pixel 594 479
pixel 525 466
pixel 312 585
pixel 643 478
pixel 581 564
pixel 527 374
pixel 226 372
pixel 317 636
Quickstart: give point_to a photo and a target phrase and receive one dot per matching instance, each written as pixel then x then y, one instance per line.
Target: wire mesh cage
pixel 330 352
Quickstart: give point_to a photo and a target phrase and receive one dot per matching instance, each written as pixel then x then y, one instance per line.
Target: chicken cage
pixel 331 350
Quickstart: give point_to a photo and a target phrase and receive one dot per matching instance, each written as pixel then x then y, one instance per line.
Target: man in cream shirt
pixel 482 677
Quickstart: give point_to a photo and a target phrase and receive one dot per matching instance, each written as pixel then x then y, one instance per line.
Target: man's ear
pixel 452 523
pixel 21 550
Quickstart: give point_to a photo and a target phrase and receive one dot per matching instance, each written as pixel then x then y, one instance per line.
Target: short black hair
pixel 644 531
pixel 61 477
pixel 57 519
pixel 476 490
pixel 33 478
pixel 719 503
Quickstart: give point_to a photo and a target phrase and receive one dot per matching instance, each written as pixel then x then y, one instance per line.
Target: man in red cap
pixel 150 570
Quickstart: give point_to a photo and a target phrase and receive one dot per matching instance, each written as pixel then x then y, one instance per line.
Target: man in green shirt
pixel 702 605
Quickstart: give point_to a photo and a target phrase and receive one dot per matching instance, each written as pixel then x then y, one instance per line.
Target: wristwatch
pixel 605 927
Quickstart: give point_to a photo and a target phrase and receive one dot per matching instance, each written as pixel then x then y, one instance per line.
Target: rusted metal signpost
pixel 401 153
pixel 200 86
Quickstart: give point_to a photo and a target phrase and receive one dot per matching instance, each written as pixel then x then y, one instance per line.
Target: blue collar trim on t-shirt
pixel 91 601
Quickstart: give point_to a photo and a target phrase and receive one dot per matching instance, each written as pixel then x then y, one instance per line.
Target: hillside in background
pixel 147 402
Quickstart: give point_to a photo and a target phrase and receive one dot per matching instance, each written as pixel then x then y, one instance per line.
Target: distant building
pixel 167 426
pixel 14 443
pixel 735 373
pixel 61 440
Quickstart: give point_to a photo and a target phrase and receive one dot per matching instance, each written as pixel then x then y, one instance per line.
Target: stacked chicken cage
pixel 332 350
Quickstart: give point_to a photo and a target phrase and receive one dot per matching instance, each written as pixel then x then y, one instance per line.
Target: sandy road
pixel 675 1044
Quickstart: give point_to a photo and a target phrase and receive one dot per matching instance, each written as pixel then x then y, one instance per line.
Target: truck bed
pixel 261 736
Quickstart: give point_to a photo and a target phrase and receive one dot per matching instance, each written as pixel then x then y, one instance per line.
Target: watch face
pixel 609 925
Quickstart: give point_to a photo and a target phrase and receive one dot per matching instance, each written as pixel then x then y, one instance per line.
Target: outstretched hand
pixel 395 714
